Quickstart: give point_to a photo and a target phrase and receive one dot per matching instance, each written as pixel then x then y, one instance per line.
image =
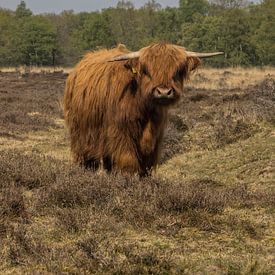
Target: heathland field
pixel 209 208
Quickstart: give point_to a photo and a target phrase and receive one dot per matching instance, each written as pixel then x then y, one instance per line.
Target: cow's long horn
pixel 200 55
pixel 125 56
pixel 203 55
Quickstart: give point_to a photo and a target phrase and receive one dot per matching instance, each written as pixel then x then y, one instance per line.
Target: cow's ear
pixel 192 63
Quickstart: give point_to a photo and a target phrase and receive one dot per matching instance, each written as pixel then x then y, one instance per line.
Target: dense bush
pixel 199 25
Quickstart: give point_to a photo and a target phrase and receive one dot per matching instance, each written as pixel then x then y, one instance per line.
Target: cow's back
pixel 94 85
pixel 92 95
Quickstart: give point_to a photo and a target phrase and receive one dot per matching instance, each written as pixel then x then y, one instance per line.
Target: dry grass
pixel 23 70
pixel 60 218
pixel 209 209
pixel 204 78
pixel 230 78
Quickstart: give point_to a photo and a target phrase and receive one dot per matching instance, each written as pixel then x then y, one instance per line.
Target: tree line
pixel 244 31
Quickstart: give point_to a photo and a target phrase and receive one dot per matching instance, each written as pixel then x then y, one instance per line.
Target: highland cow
pixel 116 104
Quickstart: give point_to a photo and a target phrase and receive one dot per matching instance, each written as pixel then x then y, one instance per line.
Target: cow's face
pixel 163 70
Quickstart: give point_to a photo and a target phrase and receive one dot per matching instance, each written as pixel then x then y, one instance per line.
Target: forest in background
pixel 244 31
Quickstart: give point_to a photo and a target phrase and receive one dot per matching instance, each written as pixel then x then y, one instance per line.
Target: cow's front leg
pixel 149 147
pixel 122 149
pixel 127 162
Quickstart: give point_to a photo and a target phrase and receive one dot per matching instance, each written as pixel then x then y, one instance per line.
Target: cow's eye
pixel 179 73
pixel 145 71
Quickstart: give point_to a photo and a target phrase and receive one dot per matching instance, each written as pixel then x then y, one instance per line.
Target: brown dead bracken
pixel 116 104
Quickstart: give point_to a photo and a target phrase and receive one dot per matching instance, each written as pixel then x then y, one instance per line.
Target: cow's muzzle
pixel 164 93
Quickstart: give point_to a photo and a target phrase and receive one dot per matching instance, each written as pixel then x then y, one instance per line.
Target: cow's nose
pixel 162 92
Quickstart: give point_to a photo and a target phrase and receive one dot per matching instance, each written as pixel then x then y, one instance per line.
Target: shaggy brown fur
pixel 110 109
